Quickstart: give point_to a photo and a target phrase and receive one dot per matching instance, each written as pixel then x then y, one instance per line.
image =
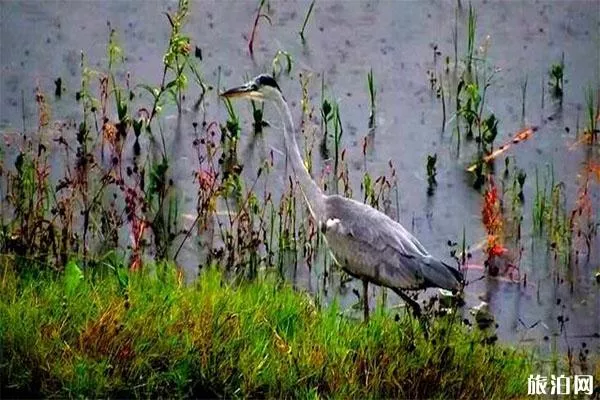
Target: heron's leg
pixel 416 308
pixel 366 299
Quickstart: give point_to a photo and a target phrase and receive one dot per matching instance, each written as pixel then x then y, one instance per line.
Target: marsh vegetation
pixel 152 241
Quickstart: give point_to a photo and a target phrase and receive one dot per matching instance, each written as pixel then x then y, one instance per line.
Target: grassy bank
pixel 146 334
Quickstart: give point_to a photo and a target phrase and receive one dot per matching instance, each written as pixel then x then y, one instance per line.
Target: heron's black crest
pixel 267 80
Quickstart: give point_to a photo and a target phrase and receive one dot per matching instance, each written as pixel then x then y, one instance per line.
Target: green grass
pixel 146 334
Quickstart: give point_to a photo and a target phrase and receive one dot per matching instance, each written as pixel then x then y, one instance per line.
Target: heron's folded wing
pixel 374 227
pixel 386 255
pixel 386 249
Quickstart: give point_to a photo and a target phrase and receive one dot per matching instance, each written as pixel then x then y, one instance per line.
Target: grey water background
pixel 42 40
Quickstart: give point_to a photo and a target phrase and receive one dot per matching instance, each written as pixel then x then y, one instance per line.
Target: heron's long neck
pixel 311 191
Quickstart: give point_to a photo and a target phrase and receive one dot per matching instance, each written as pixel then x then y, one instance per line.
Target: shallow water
pixel 41 41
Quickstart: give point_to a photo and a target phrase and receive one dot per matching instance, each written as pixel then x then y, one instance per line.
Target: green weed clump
pixel 556 83
pixel 120 334
pixel 466 88
pixel 551 218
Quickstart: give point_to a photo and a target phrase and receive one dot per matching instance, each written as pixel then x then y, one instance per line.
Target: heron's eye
pixel 253 87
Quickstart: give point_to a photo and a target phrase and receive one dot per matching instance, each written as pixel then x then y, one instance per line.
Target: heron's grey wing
pixel 374 245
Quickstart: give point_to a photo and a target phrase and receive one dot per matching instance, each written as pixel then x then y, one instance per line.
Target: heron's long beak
pixel 244 91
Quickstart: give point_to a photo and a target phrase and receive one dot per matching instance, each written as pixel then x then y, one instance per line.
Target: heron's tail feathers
pixel 439 274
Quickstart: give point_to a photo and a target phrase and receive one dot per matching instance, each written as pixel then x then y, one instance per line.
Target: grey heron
pixel 364 242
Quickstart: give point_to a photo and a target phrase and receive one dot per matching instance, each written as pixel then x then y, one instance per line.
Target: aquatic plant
pixel 257 114
pixel 259 15
pixel 455 37
pixel 550 216
pixel 523 98
pixel 489 131
pixel 512 199
pixel 244 231
pixel 471 28
pixel 593 115
pixel 491 216
pixel 470 109
pixel 520 178
pixel 372 94
pixel 556 73
pixel 338 131
pixel 28 196
pixel 177 61
pixel 582 224
pixel 276 64
pixel 442 96
pixel 539 205
pixel 308 127
pixel 472 79
pixel 431 173
pixel 326 117
pixel 97 195
pixel 306 17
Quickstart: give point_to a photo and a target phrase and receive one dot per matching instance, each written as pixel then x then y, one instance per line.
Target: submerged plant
pixel 326 117
pixel 431 173
pixel 593 115
pixel 556 83
pixel 372 94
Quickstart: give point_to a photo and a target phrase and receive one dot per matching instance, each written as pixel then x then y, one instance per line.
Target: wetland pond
pixel 544 287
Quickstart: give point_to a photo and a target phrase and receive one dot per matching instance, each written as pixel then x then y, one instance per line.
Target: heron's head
pixel 261 88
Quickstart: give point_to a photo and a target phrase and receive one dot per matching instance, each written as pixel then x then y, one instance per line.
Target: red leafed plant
pixel 491 216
